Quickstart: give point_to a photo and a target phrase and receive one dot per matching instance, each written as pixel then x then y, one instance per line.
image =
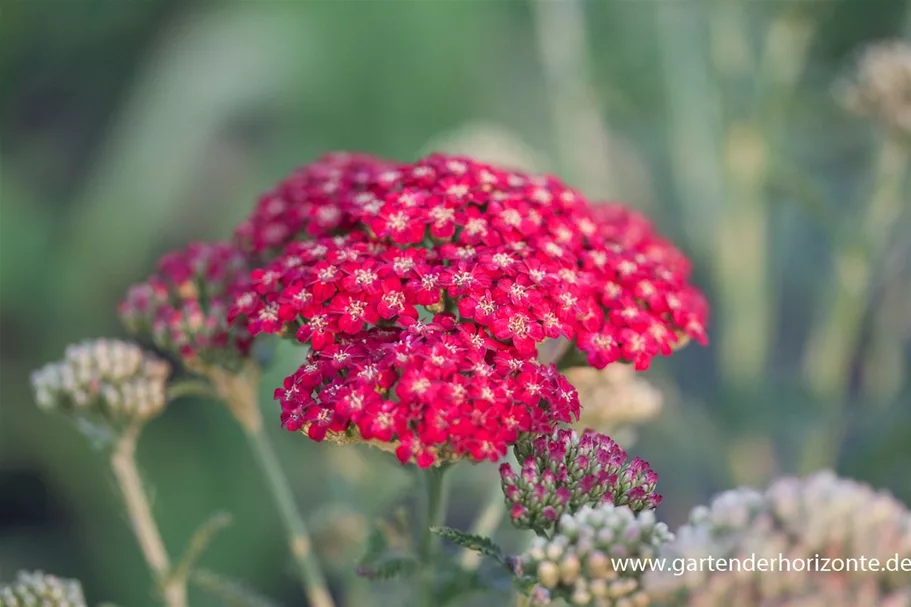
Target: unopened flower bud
pixel 585 574
pixel 564 471
pixel 548 574
pixel 569 568
pixel 105 382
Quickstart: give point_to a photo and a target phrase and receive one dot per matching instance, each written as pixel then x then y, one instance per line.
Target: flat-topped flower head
pixel 183 306
pixel 104 382
pixel 564 471
pixel 524 257
pixel 577 563
pixel 811 522
pixel 38 589
pixel 434 391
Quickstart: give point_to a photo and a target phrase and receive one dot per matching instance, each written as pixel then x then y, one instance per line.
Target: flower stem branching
pixel 123 463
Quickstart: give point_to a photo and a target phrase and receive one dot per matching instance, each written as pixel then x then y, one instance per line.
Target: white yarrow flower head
pixel 816 532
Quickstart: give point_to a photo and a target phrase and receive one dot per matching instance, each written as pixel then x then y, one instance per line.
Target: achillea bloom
pixel 183 307
pixel 514 259
pixel 613 398
pixel 817 523
pixel 41 590
pixel 881 87
pixel 576 564
pixel 565 471
pixel 433 391
pixel 525 257
pixel 106 381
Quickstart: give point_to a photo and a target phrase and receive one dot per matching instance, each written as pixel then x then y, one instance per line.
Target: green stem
pixel 833 341
pixel 315 585
pixel 191 387
pixel 436 512
pixel 129 481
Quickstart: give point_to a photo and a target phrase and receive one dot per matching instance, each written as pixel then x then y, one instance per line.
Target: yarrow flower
pixel 183 307
pixel 817 524
pixel 881 87
pixel 565 471
pixel 41 589
pixel 105 381
pixel 433 391
pixel 515 259
pixel 577 563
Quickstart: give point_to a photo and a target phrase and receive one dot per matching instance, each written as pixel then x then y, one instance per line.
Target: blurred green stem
pixel 834 339
pixel 301 546
pixel 240 393
pixel 743 249
pixel 123 463
pixel 486 523
pixel 436 496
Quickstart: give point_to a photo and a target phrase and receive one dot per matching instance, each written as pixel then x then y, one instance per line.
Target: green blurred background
pixel 129 128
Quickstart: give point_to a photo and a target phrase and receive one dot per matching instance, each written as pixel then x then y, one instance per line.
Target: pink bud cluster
pixel 436 390
pixel 183 307
pixel 563 471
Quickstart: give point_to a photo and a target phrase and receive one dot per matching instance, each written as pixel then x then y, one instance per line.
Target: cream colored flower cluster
pixel 41 590
pixel 823 541
pixel 614 399
pixel 881 88
pixel 108 380
pixel 580 562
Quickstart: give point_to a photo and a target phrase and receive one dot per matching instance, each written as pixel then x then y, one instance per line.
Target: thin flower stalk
pixel 437 497
pixel 834 339
pixel 240 396
pixel 123 464
pixel 182 308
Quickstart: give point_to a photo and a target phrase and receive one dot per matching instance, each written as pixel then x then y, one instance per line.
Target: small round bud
pixel 569 569
pixel 581 571
pixel 548 574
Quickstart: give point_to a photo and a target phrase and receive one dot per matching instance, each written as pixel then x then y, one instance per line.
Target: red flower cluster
pixel 525 257
pixel 369 247
pixel 183 307
pixel 438 390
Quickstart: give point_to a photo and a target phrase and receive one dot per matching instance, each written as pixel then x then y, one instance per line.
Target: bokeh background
pixel 129 128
